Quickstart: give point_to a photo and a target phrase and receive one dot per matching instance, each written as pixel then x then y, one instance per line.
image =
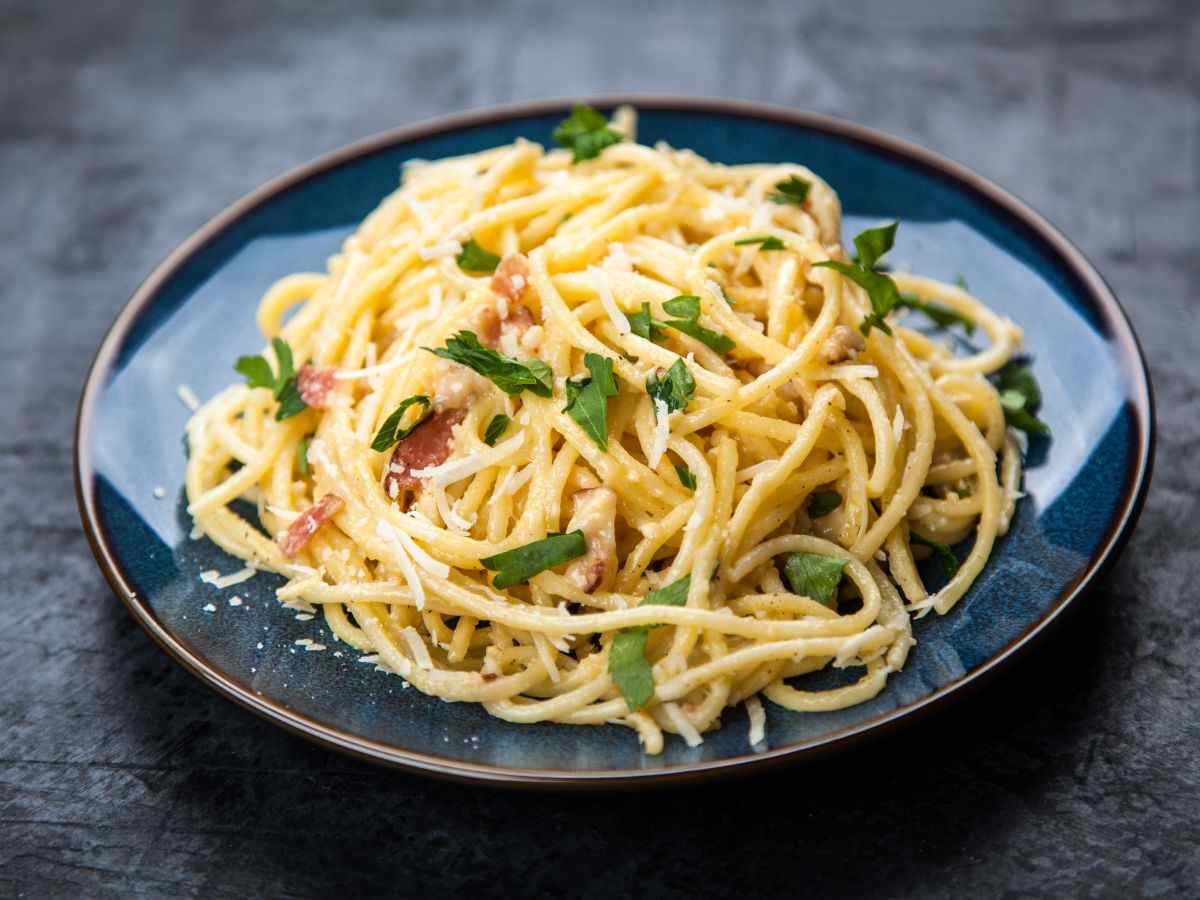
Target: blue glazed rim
pixel 1114 323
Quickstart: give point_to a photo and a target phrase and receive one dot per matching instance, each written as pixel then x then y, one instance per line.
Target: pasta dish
pixel 612 433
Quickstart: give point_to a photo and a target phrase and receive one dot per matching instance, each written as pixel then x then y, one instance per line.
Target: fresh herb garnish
pixel 302 455
pixel 587 398
pixel 881 290
pixel 793 190
pixel 674 387
pixel 822 503
pixel 282 383
pixel 686 477
pixel 495 428
pixel 510 375
pixel 475 258
pixel 518 565
pixel 941 315
pixel 766 242
pixel 644 325
pixel 290 401
pixel 943 551
pixel 687 308
pixel 815 576
pixel 1021 398
pixel 390 433
pixel 627 663
pixel 585 133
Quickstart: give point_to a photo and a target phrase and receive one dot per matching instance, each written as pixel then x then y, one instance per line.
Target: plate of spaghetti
pixel 594 443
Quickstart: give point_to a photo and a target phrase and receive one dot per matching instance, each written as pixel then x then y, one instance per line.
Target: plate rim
pixel 1139 402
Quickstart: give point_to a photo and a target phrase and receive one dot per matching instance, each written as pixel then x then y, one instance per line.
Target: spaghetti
pixel 635 463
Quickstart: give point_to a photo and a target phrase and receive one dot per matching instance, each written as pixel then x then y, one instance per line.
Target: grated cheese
pixel 450 513
pixel 758 720
pixel 440 251
pixel 898 425
pixel 464 467
pixel 618 259
pixel 159 492
pixel 546 656
pixel 235 600
pixel 683 724
pixel 600 283
pixel 662 431
pixel 208 607
pixel 419 651
pixel 188 396
pixel 715 289
pixel 851 646
pixel 515 480
pixel 220 582
pixel 371 371
pixel 391 535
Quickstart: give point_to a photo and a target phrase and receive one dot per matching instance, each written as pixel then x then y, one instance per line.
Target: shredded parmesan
pixel 516 479
pixel 188 396
pixel 407 569
pixel 221 582
pixel 758 720
pixel 843 373
pixel 600 283
pixel 898 425
pixel 464 467
pixel 440 251
pixel 546 655
pixel 715 289
pixel 851 646
pixel 449 513
pixel 683 724
pixel 618 259
pixel 662 431
pixel 159 492
pixel 371 371
pixel 420 652
pixel 235 600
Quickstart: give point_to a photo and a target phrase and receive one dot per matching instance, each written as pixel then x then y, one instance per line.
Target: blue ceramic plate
pixel 195 314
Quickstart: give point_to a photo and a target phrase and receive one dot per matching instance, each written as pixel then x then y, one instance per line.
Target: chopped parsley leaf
pixel 518 565
pixel 627 663
pixel 815 576
pixel 510 375
pixel 792 190
pixel 674 387
pixel 495 429
pixel 585 133
pixel 390 433
pixel 765 242
pixel 587 398
pixel 475 258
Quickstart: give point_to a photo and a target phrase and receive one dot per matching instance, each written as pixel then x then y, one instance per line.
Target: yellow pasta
pixel 709 498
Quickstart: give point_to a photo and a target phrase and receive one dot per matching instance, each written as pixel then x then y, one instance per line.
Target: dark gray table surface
pixel 122 129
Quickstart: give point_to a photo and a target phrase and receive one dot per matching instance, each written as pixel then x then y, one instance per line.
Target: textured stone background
pixel 123 127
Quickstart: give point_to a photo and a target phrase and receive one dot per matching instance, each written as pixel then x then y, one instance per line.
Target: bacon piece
pixel 429 445
pixel 511 278
pixel 315 385
pixel 307 524
pixel 596 516
pixel 494 330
